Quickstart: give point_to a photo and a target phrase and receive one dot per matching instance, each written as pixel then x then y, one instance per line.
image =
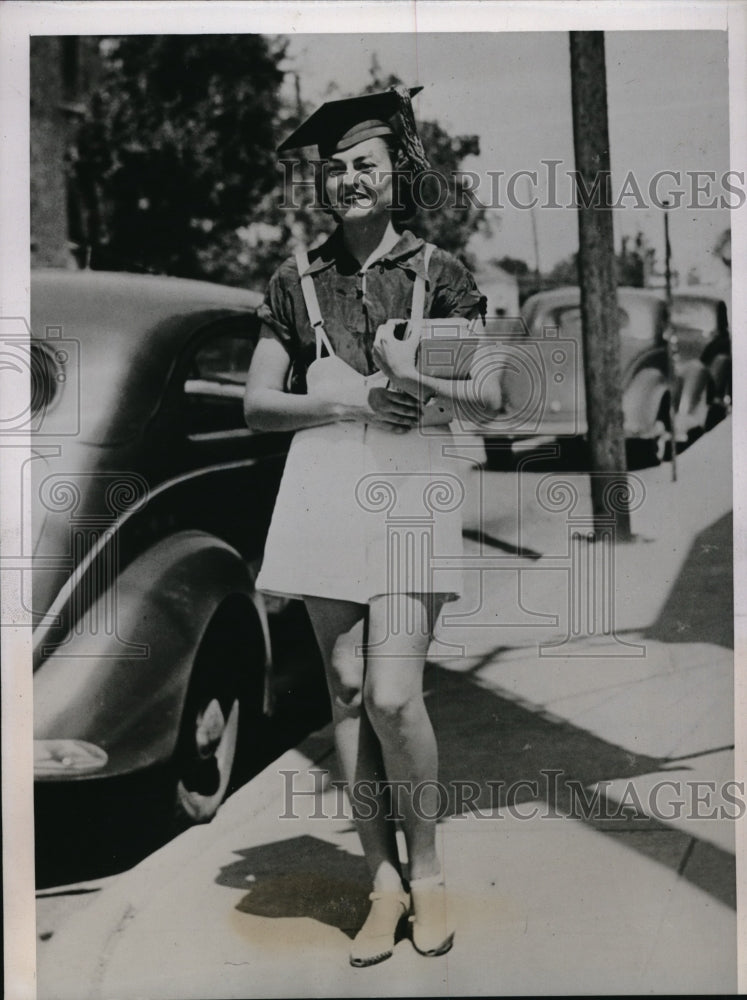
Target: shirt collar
pixel 408 252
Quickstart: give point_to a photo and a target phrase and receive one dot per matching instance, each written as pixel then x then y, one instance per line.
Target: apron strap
pixel 312 304
pixel 418 291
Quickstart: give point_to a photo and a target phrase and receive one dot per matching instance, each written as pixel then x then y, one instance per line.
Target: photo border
pixel 20 19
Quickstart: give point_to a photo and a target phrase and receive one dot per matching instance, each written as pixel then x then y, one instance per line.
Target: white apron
pixel 362 511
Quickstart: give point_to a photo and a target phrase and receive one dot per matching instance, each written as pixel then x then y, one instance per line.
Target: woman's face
pixel 358 181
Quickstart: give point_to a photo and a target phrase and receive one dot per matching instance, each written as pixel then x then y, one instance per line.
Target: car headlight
pixel 62 758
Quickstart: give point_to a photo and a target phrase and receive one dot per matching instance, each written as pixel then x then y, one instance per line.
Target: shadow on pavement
pixel 520 760
pixel 519 756
pixel 700 606
pixel 565 454
pixel 290 878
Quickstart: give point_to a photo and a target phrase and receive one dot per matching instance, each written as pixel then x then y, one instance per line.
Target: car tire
pixel 222 717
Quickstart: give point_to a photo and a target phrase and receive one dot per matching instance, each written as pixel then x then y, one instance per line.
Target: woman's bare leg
pixel 399 633
pixel 340 628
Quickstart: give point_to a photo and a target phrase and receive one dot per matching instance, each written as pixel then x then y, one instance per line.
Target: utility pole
pixel 596 262
pixel 670 344
pixel 535 239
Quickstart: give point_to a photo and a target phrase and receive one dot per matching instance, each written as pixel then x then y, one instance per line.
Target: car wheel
pixel 204 780
pixel 221 718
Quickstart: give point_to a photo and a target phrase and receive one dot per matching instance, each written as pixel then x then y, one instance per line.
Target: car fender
pixel 650 358
pixel 642 402
pixel 119 679
pixel 694 397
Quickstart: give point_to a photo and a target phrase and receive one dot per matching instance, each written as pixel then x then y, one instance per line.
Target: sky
pixel 667 104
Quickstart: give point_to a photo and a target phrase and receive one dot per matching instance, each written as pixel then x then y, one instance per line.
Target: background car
pixel 552 322
pixel 153 653
pixel 700 324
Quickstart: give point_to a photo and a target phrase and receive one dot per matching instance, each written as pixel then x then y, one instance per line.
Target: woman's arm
pixel 268 407
pixel 479 397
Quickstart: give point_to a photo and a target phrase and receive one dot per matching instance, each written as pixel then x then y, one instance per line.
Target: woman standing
pixel 360 465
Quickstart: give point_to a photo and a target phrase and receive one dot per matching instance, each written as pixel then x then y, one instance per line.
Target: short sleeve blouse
pixel 354 303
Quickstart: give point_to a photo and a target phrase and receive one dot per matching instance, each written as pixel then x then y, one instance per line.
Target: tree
pixel 565 272
pixel 633 266
pixel 179 149
pixel 176 169
pixel 59 71
pixel 512 265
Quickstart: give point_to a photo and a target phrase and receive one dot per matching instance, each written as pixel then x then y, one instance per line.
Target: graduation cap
pixel 339 125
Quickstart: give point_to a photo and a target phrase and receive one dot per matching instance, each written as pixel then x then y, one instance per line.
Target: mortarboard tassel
pixel 413 147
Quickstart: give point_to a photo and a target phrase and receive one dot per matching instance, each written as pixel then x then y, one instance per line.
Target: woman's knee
pixel 345 677
pixel 387 703
pixel 346 699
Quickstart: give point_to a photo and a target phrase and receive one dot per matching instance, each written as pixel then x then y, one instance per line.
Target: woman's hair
pixel 402 182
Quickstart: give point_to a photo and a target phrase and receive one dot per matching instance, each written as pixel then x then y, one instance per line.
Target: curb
pixel 82 952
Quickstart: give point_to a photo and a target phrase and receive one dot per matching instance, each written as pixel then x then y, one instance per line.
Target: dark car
pixel 151 500
pixel 700 324
pixel 552 326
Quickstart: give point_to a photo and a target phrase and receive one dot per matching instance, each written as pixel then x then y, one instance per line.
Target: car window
pixel 694 315
pixel 638 321
pixel 635 322
pixel 224 358
pixel 216 376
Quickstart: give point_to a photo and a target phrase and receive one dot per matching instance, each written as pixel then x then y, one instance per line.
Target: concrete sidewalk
pixel 548 898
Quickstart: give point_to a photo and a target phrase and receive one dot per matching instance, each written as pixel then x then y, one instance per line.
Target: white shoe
pixel 431 934
pixel 374 942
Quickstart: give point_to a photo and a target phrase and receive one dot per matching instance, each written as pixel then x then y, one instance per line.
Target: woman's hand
pixel 380 405
pixel 396 358
pixel 393 410
pixel 268 408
